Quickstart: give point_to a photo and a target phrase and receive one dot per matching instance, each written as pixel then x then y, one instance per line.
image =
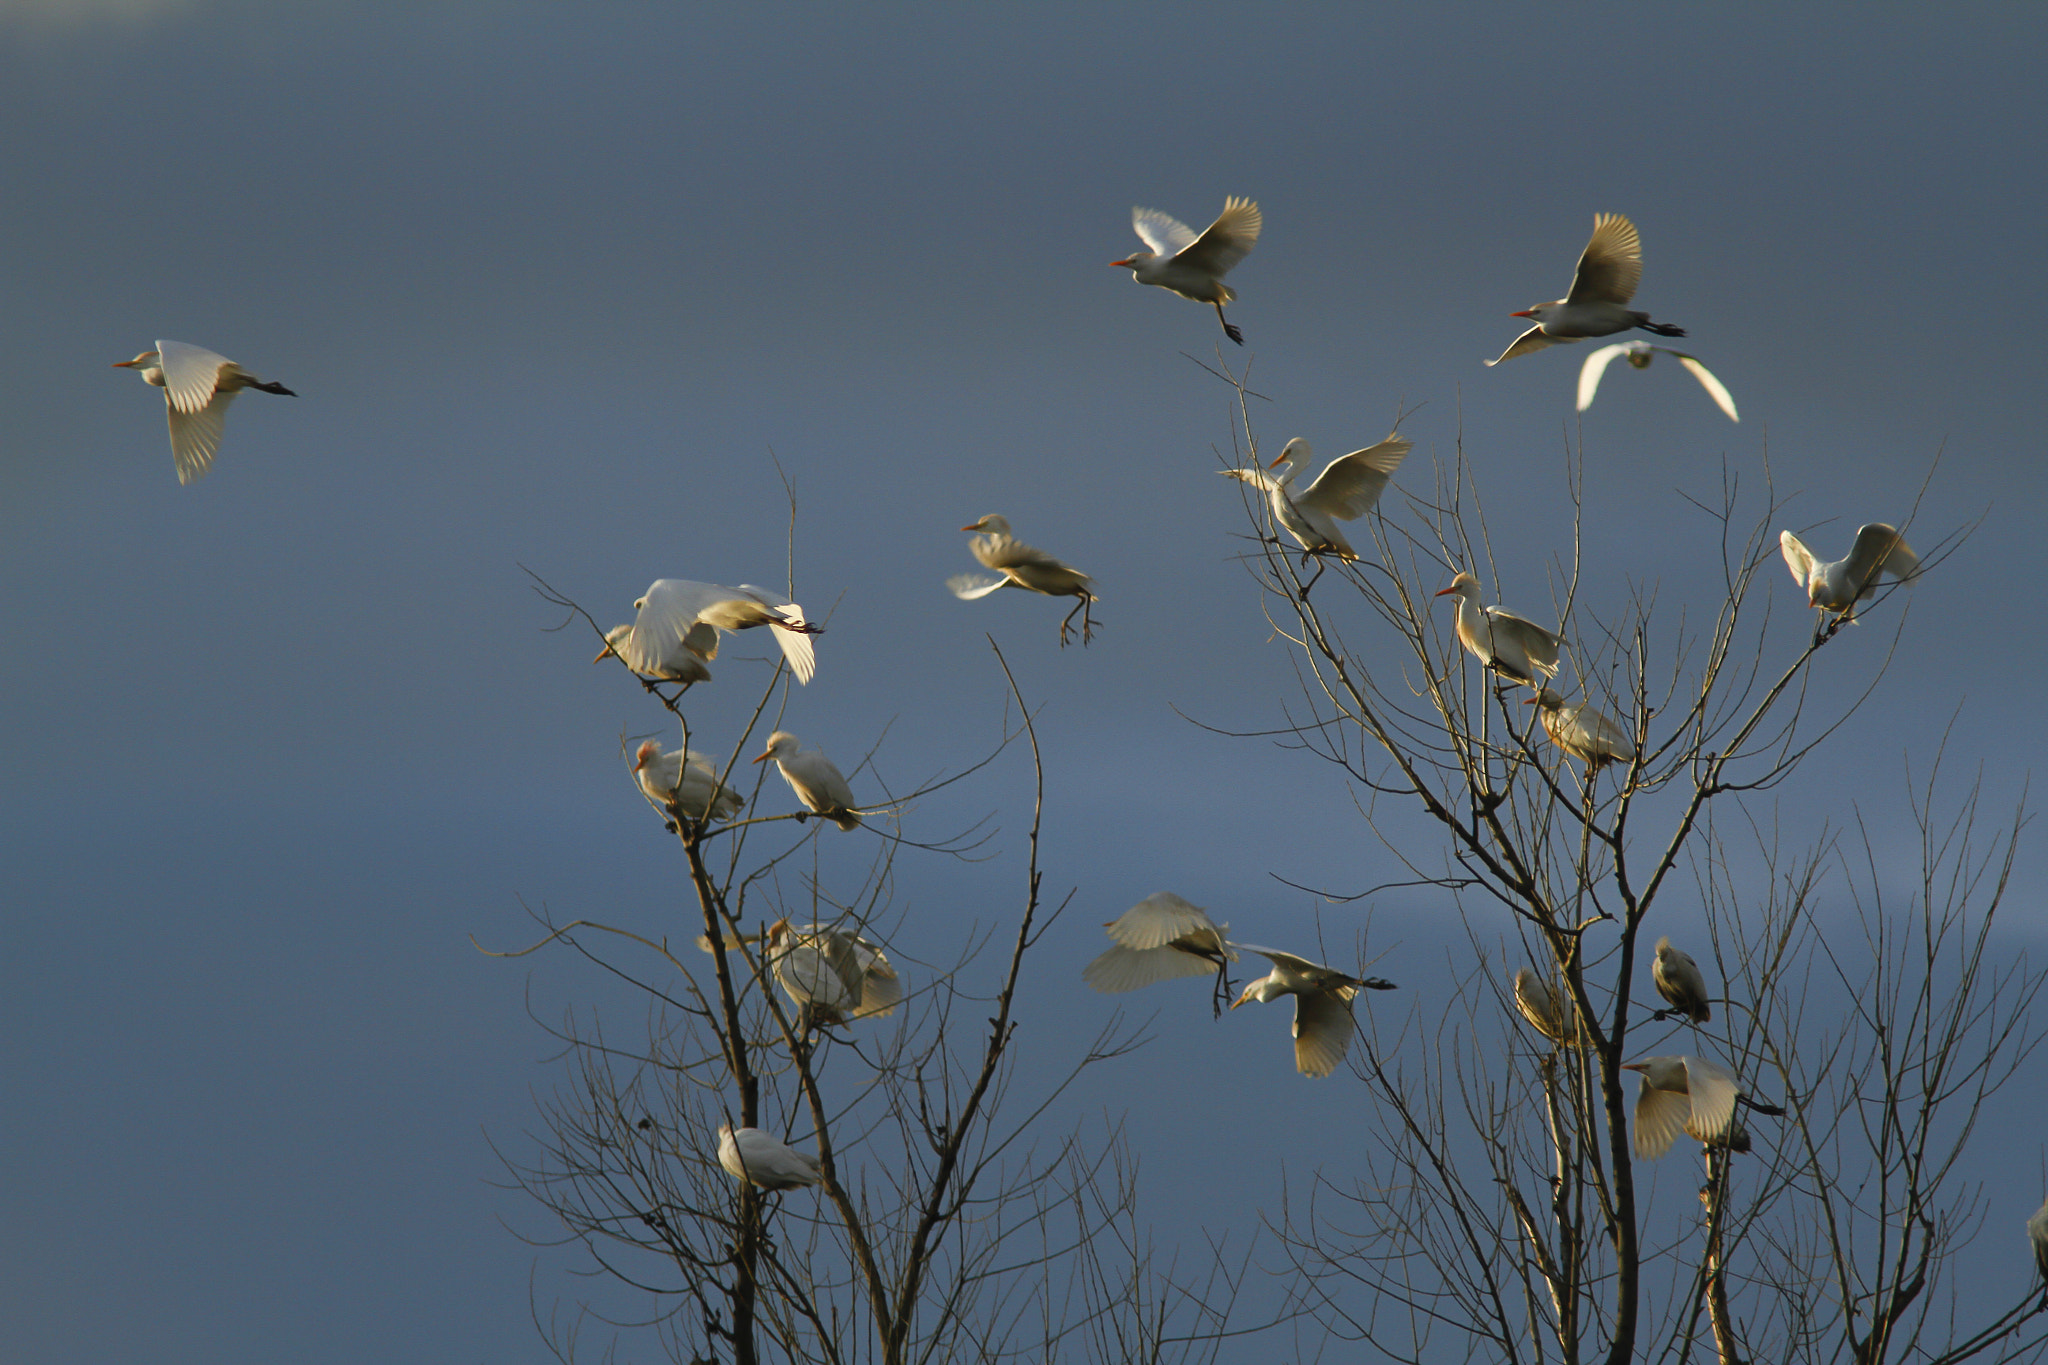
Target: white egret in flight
pixel 1024 567
pixel 1323 1019
pixel 1161 938
pixel 674 613
pixel 683 664
pixel 1516 648
pixel 1346 490
pixel 1679 980
pixel 1689 1095
pixel 1193 267
pixel 1597 304
pixel 1879 549
pixel 1640 354
pixel 751 1155
pixel 814 778
pixel 198 386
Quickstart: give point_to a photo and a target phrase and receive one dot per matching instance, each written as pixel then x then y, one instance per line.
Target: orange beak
pixel 1524 314
pixel 1446 590
pixel 762 759
pixel 1125 261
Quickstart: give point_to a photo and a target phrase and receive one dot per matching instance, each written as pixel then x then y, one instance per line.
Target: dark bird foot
pixel 275 388
pixel 1230 330
pixel 1662 329
pixel 1374 983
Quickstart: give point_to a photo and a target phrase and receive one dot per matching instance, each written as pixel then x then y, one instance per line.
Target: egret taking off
pixel 684 785
pixel 1640 354
pixel 1161 938
pixel 1590 736
pixel 1346 490
pixel 198 386
pixel 1879 549
pixel 1024 567
pixel 814 778
pixel 675 612
pixel 1323 1021
pixel 1687 1095
pixel 1679 980
pixel 1193 267
pixel 683 664
pixel 1597 304
pixel 1517 649
pixel 753 1156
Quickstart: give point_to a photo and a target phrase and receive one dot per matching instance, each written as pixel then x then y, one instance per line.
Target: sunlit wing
pixel 1121 969
pixel 1531 340
pixel 1280 959
pixel 1661 1115
pixel 1163 233
pixel 1880 548
pixel 1595 366
pixel 1539 644
pixel 1611 265
pixel 1228 240
pixel 1712 1109
pixel 1797 557
pixel 195 434
pixel 1716 390
pixel 1350 485
pixel 191 374
pixel 1158 920
pixel 1323 1026
pixel 968 586
pixel 668 618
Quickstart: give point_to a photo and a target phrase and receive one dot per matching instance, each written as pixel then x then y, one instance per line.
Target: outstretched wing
pixel 1121 969
pixel 1164 233
pixel 1716 390
pixel 1228 240
pixel 1531 340
pixel 1661 1115
pixel 191 374
pixel 1880 549
pixel 1595 366
pixel 1350 484
pixel 1712 1110
pixel 968 586
pixel 195 435
pixel 1797 557
pixel 796 644
pixel 1611 266
pixel 1323 1025
pixel 1159 919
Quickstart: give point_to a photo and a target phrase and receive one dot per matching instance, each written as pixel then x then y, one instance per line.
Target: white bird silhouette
pixel 1193 267
pixel 1689 1095
pixel 198 386
pixel 1161 938
pixel 683 664
pixel 753 1156
pixel 1879 549
pixel 828 971
pixel 686 786
pixel 814 778
pixel 1679 980
pixel 1545 1007
pixel 1515 648
pixel 1346 490
pixel 1323 1019
pixel 1640 354
pixel 1024 567
pixel 1597 304
pixel 674 611
pixel 1592 737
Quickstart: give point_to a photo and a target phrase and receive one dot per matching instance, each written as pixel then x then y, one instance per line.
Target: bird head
pixel 1544 698
pixel 1662 1073
pixel 991 525
pixel 613 638
pixel 1135 259
pixel 147 358
pixel 1464 585
pixel 648 751
pixel 1259 990
pixel 779 743
pixel 1295 451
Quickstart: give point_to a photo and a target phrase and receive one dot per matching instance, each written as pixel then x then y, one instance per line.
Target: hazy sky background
pixel 554 284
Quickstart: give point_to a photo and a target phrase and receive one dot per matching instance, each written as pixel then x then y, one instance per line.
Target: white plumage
pixel 1545 1007
pixel 683 664
pixel 1683 1095
pixel 814 778
pixel 1161 938
pixel 1879 549
pixel 2037 1234
pixel 1346 490
pixel 1510 645
pixel 751 1155
pixel 1323 1019
pixel 1639 355
pixel 1022 566
pixel 1597 304
pixel 1592 737
pixel 675 612
pixel 1194 266
pixel 685 785
pixel 198 385
pixel 1679 980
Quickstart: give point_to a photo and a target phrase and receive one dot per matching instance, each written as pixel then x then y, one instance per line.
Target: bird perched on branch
pixel 1323 1018
pixel 1691 1095
pixel 198 386
pixel 1346 490
pixel 1590 736
pixel 829 972
pixel 684 784
pixel 1161 938
pixel 683 664
pixel 814 778
pixel 1879 549
pixel 1022 566
pixel 1639 354
pixel 1191 266
pixel 751 1155
pixel 1679 980
pixel 1597 304
pixel 1546 1008
pixel 676 612
pixel 1512 646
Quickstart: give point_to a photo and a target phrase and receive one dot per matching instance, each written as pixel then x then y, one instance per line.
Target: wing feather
pixel 1661 1115
pixel 1350 485
pixel 1712 1107
pixel 1531 340
pixel 1595 366
pixel 195 434
pixel 1797 558
pixel 1159 919
pixel 1611 266
pixel 191 374
pixel 968 586
pixel 1226 241
pixel 1716 390
pixel 1323 1025
pixel 1164 233
pixel 1121 969
pixel 1880 549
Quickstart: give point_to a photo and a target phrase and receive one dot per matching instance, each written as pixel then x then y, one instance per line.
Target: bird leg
pixel 1238 336
pixel 1305 558
pixel 268 386
pixel 1087 622
pixel 1662 329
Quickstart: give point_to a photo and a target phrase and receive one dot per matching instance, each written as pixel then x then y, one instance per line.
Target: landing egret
pixel 814 778
pixel 1323 1019
pixel 1161 938
pixel 1590 736
pixel 1546 1008
pixel 1609 270
pixel 1024 567
pixel 672 610
pixel 684 785
pixel 1679 980
pixel 683 664
pixel 1346 490
pixel 1879 549
pixel 1691 1095
pixel 751 1155
pixel 1511 646
pixel 1193 267
pixel 198 386
pixel 1640 354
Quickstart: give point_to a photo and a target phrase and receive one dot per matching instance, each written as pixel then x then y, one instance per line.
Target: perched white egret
pixel 832 972
pixel 1511 646
pixel 1680 981
pixel 1545 1007
pixel 198 386
pixel 1879 549
pixel 2037 1233
pixel 1161 938
pixel 1640 354
pixel 684 785
pixel 683 664
pixel 1193 267
pixel 1689 1095
pixel 673 611
pixel 814 778
pixel 1597 304
pixel 751 1155
pixel 1024 567
pixel 1346 490
pixel 1592 737
pixel 1323 1021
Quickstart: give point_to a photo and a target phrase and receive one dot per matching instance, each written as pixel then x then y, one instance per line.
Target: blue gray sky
pixel 573 288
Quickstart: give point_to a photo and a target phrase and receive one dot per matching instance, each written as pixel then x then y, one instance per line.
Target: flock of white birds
pixel 835 976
